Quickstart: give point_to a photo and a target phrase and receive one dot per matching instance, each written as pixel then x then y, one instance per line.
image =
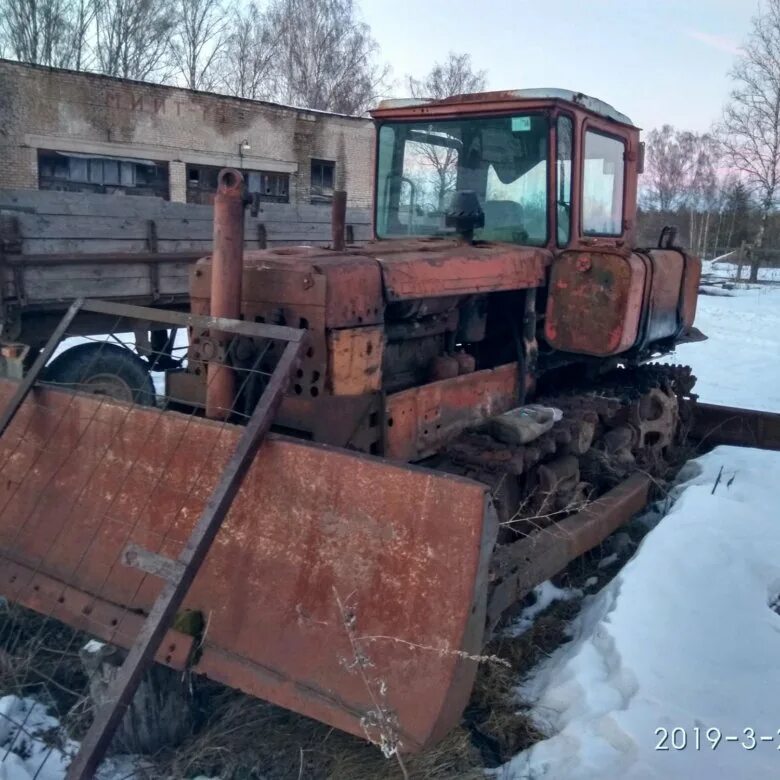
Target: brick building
pixel 84 132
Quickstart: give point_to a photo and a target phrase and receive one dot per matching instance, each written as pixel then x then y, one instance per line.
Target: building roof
pixel 156 85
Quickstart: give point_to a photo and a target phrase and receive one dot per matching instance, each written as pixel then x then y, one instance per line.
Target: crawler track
pixel 561 493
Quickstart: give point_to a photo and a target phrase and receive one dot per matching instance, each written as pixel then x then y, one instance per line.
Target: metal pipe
pixel 227 262
pixel 338 219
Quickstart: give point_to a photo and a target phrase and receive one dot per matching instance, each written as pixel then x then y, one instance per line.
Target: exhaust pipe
pixel 227 263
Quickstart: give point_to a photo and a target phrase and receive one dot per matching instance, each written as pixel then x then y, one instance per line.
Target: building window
pixel 268 185
pixel 322 178
pixel 201 183
pixel 274 187
pixel 70 172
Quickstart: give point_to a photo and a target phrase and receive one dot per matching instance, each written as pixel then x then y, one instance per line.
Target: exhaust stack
pixel 226 272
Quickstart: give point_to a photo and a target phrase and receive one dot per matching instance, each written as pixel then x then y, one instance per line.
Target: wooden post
pixel 338 218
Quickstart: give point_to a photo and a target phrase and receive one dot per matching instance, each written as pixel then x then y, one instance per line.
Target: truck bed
pixel 58 246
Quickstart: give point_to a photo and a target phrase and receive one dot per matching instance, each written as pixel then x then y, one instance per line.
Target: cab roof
pixel 389 108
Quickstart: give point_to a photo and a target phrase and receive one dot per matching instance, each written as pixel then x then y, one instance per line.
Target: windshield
pixel 503 159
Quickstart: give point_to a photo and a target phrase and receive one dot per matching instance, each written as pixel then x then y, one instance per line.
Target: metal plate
pixel 436 270
pixel 405 549
pixel 419 421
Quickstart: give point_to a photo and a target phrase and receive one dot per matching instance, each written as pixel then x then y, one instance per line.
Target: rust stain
pixel 355 360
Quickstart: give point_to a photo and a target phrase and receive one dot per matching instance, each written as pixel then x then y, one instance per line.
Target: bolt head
pixel 584 263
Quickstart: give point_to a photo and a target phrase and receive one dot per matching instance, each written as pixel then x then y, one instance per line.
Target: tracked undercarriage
pixel 632 421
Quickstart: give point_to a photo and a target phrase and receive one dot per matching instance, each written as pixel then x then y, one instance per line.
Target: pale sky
pixel 659 61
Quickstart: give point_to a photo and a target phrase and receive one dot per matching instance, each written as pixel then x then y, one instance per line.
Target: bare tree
pixel 750 128
pixel 682 181
pixel 79 33
pixel 327 56
pixel 197 37
pixel 46 32
pixel 133 38
pixel 246 62
pixel 667 168
pixel 455 76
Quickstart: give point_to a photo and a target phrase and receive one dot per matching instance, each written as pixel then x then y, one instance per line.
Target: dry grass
pixel 40 657
pixel 244 738
pixel 453 757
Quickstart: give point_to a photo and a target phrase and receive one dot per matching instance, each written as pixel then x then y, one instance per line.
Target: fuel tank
pixel 608 303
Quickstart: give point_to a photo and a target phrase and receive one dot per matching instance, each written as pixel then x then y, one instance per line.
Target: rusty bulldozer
pixel 468 404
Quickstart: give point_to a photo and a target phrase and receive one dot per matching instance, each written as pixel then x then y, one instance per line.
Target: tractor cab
pixel 539 167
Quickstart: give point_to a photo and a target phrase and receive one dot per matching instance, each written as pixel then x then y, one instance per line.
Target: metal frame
pixel 177 575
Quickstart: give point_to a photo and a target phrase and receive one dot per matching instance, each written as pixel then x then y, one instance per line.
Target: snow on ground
pixel 545 595
pixel 739 364
pixel 33 745
pixel 680 648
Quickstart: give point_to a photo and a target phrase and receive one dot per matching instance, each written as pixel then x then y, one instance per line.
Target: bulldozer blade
pixel 714 425
pixel 342 586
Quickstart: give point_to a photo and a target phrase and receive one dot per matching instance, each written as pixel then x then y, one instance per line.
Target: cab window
pixel 563 181
pixel 422 165
pixel 602 187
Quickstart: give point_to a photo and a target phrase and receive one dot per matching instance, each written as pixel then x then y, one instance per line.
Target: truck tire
pixel 103 369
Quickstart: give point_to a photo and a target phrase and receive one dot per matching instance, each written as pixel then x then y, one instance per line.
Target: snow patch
pixel 34 746
pixel 685 636
pixel 546 594
pixel 738 365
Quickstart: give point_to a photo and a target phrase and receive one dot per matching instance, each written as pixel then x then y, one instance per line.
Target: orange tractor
pixel 472 408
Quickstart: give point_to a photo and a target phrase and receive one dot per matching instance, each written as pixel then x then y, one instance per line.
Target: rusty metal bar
pixel 338 220
pixel 713 425
pixel 141 654
pixel 43 358
pixel 182 320
pixel 519 567
pixel 227 262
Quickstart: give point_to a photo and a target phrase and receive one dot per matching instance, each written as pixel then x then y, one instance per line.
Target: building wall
pixel 43 108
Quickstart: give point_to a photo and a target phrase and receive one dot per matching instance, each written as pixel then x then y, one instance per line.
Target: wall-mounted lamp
pixel 244 147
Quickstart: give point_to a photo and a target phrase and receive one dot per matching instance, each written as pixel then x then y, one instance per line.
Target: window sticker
pixel 521 124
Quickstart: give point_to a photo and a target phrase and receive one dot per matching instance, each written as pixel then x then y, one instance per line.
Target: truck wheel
pixel 103 369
